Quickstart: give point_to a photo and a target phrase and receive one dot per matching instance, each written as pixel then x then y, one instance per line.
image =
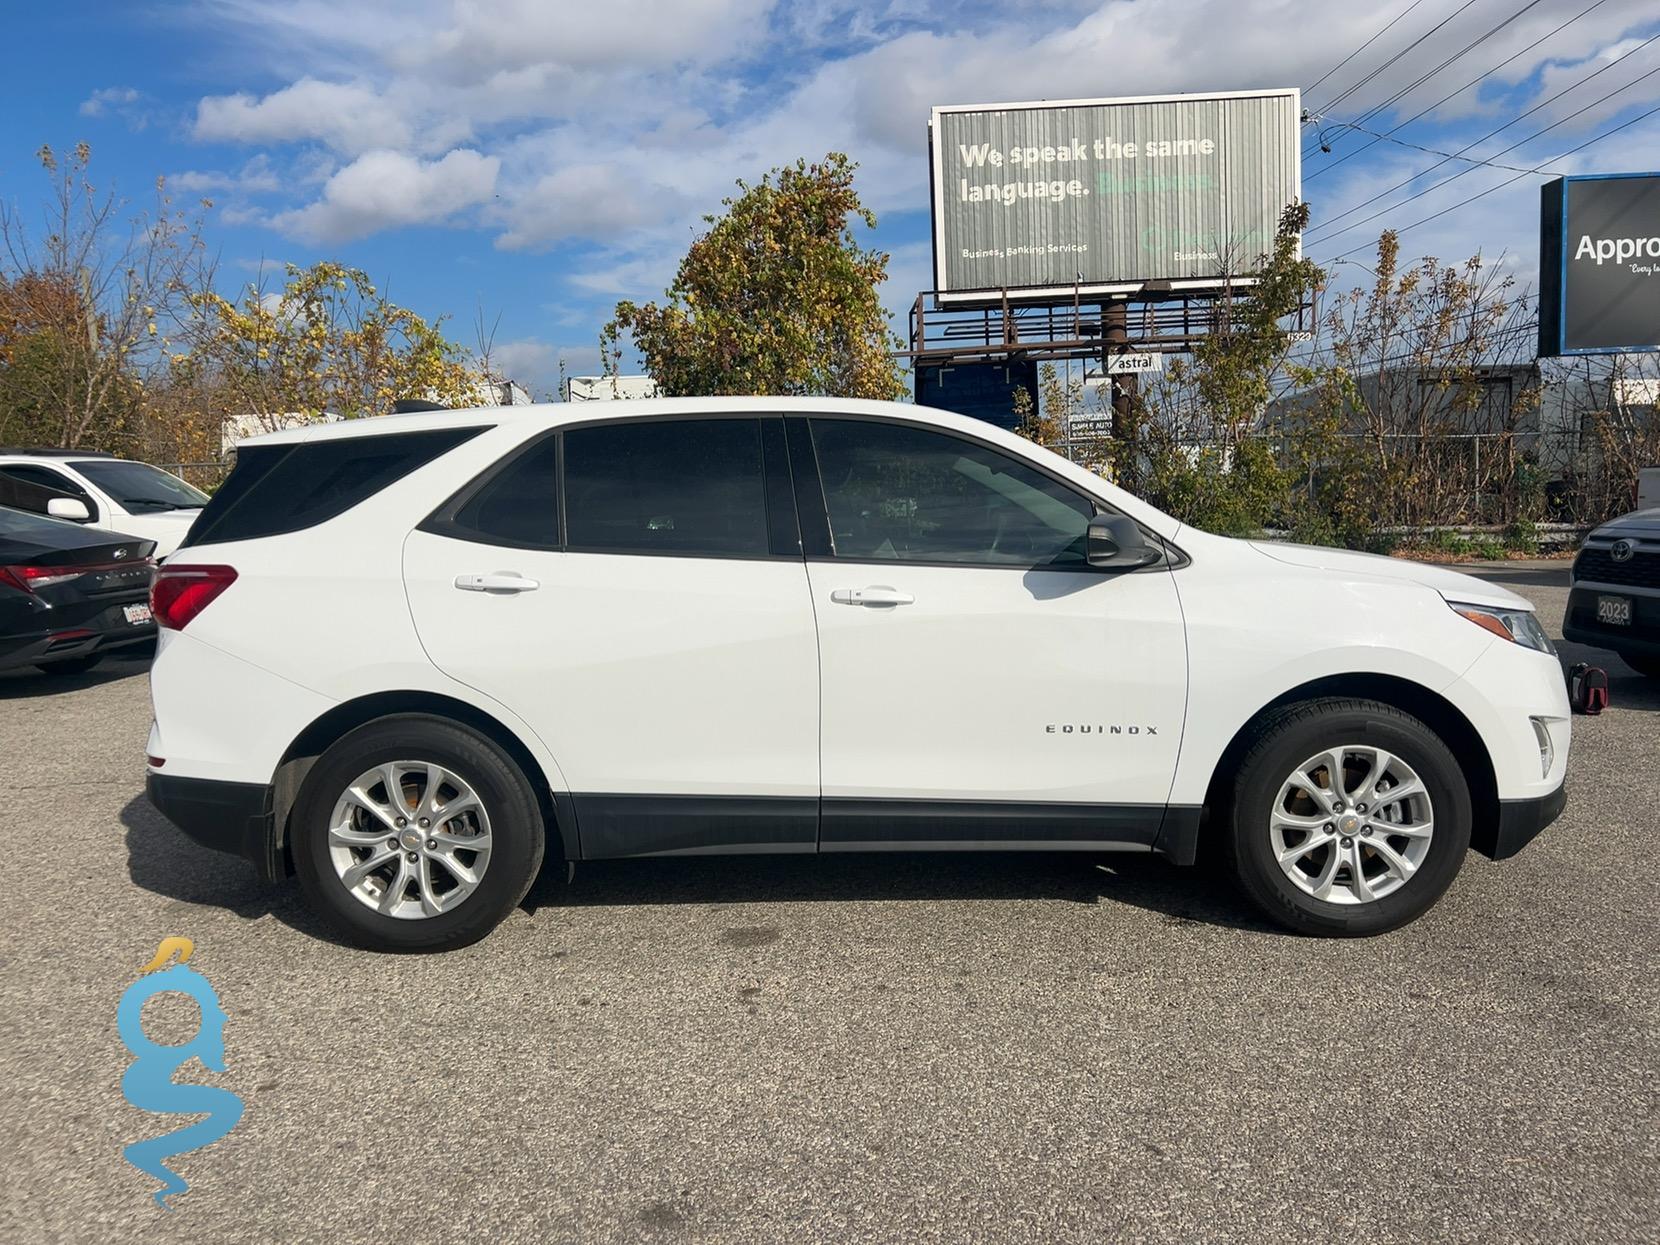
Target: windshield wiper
pixel 167 503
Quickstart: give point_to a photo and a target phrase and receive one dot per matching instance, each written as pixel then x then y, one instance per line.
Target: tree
pixel 327 342
pixel 1234 364
pixel 1201 447
pixel 87 304
pixel 776 298
pixel 1424 432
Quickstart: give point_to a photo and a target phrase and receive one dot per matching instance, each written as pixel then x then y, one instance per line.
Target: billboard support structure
pixel 1051 332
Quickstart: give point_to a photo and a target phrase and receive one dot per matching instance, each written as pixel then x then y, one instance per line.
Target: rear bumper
pixel 1519 823
pixel 49 647
pixel 234 817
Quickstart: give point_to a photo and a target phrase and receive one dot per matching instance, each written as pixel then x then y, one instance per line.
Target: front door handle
pixel 505 582
pixel 871 596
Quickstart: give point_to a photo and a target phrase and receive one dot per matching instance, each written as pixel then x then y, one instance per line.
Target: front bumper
pixel 1641 638
pixel 234 817
pixel 1519 823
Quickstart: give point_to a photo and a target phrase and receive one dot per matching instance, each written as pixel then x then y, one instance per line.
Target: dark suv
pixel 1615 602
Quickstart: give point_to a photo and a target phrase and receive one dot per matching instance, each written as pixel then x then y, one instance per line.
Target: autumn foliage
pixel 778 297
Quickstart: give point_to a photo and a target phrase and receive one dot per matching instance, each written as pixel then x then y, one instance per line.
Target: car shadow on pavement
pixel 1181 896
pixel 163 861
pixel 31 684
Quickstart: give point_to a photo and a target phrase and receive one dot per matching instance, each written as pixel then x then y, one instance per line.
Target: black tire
pixel 1283 741
pixel 518 832
pixel 71 665
pixel 1649 666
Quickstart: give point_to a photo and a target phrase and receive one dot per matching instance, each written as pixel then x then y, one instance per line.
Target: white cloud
pixel 485 37
pixel 528 361
pixel 349 117
pixel 109 98
pixel 386 190
pixel 128 103
pixel 637 276
pixel 585 200
pixel 620 124
pixel 257 176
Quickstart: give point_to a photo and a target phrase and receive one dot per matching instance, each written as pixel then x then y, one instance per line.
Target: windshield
pixel 139 486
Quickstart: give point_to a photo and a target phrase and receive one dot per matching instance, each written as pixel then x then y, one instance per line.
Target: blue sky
pixel 540 160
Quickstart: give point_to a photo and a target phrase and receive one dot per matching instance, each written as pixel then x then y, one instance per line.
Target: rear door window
pixel 684 486
pixel 516 505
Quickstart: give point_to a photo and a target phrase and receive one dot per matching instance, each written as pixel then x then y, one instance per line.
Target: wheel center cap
pixel 410 839
pixel 1349 824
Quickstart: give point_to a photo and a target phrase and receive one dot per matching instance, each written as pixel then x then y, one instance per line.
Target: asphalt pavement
pixel 888 1048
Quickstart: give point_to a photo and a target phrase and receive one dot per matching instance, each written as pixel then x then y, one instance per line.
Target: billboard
pixel 983 390
pixel 1104 196
pixel 1599 264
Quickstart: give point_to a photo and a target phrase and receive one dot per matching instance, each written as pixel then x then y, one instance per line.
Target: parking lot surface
pixel 881 1048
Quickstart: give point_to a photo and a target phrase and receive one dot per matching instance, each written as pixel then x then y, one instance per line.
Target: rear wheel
pixel 415 834
pixel 71 665
pixel 1349 817
pixel 1643 665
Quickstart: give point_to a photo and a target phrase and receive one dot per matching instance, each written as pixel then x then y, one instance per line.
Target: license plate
pixel 1615 611
pixel 137 614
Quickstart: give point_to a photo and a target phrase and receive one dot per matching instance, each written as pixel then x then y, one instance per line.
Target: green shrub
pixel 1522 536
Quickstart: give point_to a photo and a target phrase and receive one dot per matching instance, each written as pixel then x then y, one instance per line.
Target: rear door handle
pixel 505 582
pixel 871 596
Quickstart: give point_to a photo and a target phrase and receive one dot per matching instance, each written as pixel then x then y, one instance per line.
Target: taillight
pixel 179 593
pixel 28 578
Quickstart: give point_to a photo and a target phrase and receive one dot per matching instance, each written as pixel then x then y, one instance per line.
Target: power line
pixel 1433 151
pixel 1325 227
pixel 1332 164
pixel 1423 78
pixel 1362 47
pixel 1338 99
pixel 1643 116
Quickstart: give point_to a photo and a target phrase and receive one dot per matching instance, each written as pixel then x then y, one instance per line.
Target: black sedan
pixel 69 594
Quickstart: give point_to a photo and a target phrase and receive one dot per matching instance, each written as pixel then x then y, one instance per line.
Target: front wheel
pixel 1349 817
pixel 416 834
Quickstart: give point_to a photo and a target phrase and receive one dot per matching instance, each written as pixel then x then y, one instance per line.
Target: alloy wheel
pixel 1351 824
pixel 410 839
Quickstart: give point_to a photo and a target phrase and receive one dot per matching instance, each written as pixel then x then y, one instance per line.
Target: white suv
pixel 406 657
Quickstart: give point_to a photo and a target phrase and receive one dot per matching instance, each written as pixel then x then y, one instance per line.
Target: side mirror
pixel 1114 542
pixel 71 508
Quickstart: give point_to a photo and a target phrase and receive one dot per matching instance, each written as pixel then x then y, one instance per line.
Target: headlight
pixel 1517 626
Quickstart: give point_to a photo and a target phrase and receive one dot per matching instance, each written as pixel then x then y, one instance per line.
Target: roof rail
pixel 408 406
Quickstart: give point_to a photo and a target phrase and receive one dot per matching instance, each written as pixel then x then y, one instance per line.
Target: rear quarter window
pixel 277 489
